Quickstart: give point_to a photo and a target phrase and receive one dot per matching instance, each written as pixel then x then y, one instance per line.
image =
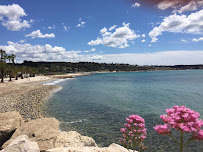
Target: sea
pixel 98 105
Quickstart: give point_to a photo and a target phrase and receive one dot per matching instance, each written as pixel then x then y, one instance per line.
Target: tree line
pixel 9 69
pixel 50 68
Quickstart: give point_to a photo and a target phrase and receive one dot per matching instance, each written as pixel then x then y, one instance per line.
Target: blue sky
pixel 119 31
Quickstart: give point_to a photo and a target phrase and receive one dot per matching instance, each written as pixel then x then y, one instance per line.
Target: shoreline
pixel 28 95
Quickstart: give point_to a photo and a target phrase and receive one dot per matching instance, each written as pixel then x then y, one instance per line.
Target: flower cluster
pixel 134 132
pixel 183 119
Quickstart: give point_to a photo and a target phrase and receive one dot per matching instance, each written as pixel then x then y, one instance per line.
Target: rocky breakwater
pixel 44 135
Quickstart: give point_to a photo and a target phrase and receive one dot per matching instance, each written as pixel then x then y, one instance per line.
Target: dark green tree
pixel 3 65
pixel 9 57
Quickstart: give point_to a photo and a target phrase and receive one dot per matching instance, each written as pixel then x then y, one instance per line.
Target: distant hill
pixel 69 67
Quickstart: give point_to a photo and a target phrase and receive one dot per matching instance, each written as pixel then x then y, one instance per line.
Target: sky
pixel 150 32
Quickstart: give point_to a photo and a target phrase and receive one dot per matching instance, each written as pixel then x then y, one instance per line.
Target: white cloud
pixel 183 40
pixel 38 34
pixel 96 57
pixel 192 24
pixel 112 28
pixel 197 40
pixel 143 40
pixel 104 32
pixel 135 5
pixel 117 39
pixel 156 58
pixel 81 24
pixel 45 52
pixel 191 6
pixel 22 41
pixel 149 45
pixel 163 5
pixel 10 15
pixel 143 35
pixel 92 50
pixel 66 28
pixel 51 27
pixel 16 25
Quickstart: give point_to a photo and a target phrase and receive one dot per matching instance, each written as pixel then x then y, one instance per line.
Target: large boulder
pixel 73 139
pixel 117 148
pixel 9 122
pixel 111 148
pixel 43 131
pixel 22 144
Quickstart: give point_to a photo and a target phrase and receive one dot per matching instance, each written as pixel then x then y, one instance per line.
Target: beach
pixel 28 95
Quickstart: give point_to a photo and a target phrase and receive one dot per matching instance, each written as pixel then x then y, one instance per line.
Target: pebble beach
pixel 28 95
pixel 25 98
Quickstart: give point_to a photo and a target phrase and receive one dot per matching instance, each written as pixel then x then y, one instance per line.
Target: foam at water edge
pixel 56 82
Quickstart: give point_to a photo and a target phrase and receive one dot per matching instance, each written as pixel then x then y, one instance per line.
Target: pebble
pixel 28 103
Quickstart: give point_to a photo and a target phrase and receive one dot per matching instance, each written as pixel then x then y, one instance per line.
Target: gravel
pixel 26 99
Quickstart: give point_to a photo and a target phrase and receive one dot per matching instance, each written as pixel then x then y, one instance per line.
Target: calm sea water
pixel 97 105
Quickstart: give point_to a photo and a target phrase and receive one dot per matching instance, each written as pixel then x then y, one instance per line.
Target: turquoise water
pixel 97 105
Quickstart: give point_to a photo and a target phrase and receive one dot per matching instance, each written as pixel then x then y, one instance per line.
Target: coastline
pixel 28 95
pixel 23 100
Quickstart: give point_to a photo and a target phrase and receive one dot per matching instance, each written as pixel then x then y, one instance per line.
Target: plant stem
pixel 181 141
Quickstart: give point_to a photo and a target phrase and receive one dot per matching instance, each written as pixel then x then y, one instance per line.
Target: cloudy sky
pixel 159 32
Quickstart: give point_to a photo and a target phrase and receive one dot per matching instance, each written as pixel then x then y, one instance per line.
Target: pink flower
pixel 123 130
pixel 199 135
pixel 134 132
pixel 141 125
pixel 126 125
pixel 162 129
pixel 142 138
pixel 164 118
pixel 137 118
pixel 129 121
pixel 183 119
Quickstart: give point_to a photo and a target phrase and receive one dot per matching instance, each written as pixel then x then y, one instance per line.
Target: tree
pixel 9 57
pixel 3 64
pixel 13 56
pixel 2 54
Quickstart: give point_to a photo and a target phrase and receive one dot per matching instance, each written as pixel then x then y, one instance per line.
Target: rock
pixel 9 122
pixel 78 149
pixel 111 148
pixel 43 131
pixel 73 139
pixel 22 144
pixel 117 148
